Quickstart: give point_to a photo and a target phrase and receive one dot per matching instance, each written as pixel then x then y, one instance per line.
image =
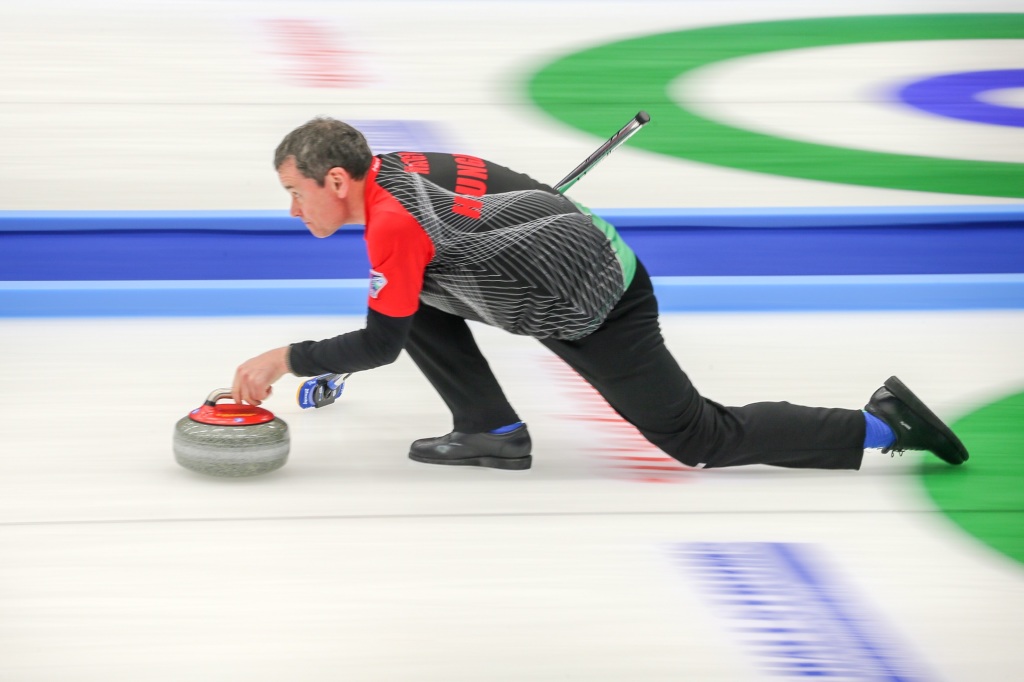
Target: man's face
pixel 322 209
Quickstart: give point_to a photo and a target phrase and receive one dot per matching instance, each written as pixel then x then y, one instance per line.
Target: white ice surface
pixel 352 562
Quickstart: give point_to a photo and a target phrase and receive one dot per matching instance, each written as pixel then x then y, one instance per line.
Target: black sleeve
pixel 378 344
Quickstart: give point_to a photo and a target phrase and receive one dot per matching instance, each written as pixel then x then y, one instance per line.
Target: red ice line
pixel 321 63
pixel 595 410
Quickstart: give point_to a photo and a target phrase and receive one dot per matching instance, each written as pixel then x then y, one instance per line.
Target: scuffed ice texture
pixel 231 451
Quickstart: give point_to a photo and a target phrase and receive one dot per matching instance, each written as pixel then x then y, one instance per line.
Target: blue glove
pixel 320 391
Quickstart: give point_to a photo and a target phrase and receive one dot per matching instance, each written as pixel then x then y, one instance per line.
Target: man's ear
pixel 338 181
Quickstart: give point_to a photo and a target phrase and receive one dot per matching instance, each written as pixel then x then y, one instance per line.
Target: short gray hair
pixel 322 144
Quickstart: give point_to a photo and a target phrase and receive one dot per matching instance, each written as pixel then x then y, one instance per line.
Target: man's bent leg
pixel 444 349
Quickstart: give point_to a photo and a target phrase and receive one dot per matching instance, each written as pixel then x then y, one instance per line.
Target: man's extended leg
pixel 627 362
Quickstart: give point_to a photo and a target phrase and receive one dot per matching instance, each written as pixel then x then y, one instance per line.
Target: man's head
pixel 323 164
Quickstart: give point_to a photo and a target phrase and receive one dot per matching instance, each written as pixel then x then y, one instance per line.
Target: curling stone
pixel 232 439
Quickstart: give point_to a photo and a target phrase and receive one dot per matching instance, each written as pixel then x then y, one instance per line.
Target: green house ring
pixel 592 90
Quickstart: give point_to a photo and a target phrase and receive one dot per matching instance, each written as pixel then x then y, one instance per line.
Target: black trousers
pixel 627 362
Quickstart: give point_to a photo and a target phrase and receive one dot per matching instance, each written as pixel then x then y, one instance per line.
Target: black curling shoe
pixel 916 427
pixel 498 451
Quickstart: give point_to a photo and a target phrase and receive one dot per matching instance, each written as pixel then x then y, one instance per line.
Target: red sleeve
pixel 399 251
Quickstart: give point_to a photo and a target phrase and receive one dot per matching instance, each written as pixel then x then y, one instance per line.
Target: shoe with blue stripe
pixel 916 427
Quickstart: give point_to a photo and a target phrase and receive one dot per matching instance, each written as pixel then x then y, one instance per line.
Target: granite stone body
pixel 231 451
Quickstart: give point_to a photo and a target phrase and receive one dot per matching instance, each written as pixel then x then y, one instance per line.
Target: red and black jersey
pixel 483 242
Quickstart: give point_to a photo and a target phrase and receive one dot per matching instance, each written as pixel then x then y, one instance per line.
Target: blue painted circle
pixel 955 95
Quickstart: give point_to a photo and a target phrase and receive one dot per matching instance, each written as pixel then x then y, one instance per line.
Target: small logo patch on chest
pixel 377 282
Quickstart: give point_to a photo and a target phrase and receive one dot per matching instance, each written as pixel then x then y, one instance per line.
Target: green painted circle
pixel 599 88
pixel 985 496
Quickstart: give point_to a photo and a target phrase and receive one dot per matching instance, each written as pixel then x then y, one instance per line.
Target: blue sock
pixel 506 429
pixel 877 434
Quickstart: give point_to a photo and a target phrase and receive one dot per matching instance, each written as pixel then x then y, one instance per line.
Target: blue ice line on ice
pixel 795 618
pixel 188 298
